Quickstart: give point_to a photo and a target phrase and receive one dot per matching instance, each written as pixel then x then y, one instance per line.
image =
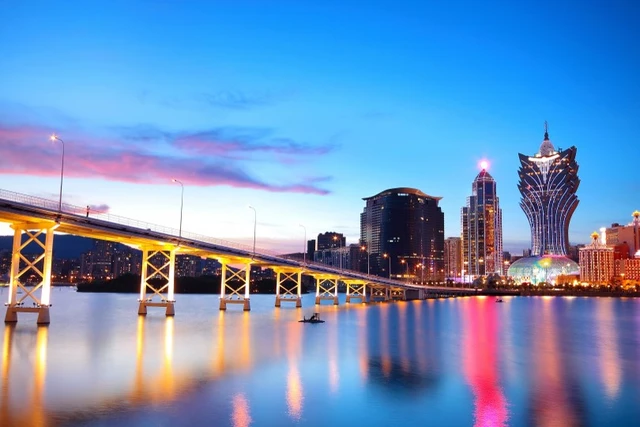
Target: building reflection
pixel 334 369
pixel 609 357
pixel 241 415
pixel 31 412
pixel 552 404
pixel 481 361
pixel 410 365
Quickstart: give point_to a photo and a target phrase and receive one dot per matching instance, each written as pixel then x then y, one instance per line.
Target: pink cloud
pixel 27 151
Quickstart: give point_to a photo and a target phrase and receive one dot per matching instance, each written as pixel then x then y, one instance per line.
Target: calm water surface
pixel 452 362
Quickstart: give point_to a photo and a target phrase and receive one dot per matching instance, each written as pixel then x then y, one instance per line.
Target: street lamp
pixel 181 204
pixel 335 238
pixel 388 256
pixel 304 245
pixel 364 248
pixel 54 137
pixel 404 261
pixel 255 222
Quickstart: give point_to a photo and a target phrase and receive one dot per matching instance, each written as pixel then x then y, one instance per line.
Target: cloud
pixel 223 99
pixel 145 154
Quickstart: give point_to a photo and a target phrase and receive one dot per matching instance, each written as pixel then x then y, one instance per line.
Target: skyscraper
pixel 403 231
pixel 482 228
pixel 548 185
pixel 453 258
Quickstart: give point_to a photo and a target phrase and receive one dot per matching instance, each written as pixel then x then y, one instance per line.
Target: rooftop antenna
pixel 546 131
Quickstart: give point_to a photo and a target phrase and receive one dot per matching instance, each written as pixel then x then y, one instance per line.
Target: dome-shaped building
pixel 538 269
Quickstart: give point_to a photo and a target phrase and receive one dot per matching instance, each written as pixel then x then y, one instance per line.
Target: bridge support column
pixel 284 294
pixel 326 290
pixel 167 260
pixel 40 266
pixel 239 295
pixel 399 294
pixel 356 290
pixel 378 293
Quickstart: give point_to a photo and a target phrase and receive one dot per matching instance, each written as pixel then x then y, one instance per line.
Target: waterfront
pixel 458 361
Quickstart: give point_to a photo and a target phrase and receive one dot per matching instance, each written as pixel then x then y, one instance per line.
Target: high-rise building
pixel 453 258
pixel 596 262
pixel 548 185
pixel 482 228
pixel 403 231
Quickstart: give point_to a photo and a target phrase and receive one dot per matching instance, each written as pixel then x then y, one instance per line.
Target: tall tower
pixel 403 231
pixel 482 228
pixel 548 185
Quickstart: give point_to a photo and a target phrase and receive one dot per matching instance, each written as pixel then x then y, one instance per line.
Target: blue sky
pixel 301 109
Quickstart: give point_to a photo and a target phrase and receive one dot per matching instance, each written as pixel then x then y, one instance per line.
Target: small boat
pixel 499 300
pixel 313 319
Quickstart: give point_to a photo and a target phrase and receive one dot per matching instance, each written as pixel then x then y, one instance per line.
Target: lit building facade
pixel 548 185
pixel 403 231
pixel 626 236
pixel 453 257
pixel 596 262
pixel 482 228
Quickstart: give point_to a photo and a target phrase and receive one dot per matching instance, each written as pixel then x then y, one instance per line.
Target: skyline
pixel 304 110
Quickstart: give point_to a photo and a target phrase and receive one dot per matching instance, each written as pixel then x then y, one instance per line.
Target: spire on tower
pixel 546 131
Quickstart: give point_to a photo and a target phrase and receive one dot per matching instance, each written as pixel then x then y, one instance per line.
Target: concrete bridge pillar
pixel 327 289
pixel 235 295
pixel 288 294
pixel 158 262
pixel 39 266
pixel 356 290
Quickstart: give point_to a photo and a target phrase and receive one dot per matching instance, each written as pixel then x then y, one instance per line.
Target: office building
pixel 403 231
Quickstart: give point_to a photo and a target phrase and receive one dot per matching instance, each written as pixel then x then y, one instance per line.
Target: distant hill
pixel 64 245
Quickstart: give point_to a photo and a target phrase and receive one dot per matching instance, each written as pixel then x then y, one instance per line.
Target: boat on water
pixel 313 319
pixel 499 300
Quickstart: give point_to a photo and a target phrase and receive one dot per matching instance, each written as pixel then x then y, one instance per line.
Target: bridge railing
pixel 79 211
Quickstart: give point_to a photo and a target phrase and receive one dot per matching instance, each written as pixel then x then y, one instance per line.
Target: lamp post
pixel 388 256
pixel 304 245
pixel 255 222
pixel 181 205
pixel 364 248
pixel 406 264
pixel 54 137
pixel 335 238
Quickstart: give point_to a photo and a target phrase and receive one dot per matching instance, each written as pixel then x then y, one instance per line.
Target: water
pixel 451 362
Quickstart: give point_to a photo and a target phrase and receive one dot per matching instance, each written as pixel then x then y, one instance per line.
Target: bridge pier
pixel 239 295
pixel 399 294
pixel 40 266
pixel 326 292
pixel 284 294
pixel 356 290
pixel 165 271
pixel 378 293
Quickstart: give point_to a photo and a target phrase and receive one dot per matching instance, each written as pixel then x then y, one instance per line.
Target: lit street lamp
pixel 304 245
pixel 364 248
pixel 404 261
pixel 255 222
pixel 54 137
pixel 388 256
pixel 335 238
pixel 181 205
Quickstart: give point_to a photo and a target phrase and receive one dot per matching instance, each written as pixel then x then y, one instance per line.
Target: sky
pixel 301 109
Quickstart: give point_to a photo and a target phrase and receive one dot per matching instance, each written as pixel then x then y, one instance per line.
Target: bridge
pixel 32 217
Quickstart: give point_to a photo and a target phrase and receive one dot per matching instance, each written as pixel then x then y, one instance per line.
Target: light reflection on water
pixel 464 361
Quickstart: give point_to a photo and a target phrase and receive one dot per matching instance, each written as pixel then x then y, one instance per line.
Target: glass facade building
pixel 403 231
pixel 482 229
pixel 548 185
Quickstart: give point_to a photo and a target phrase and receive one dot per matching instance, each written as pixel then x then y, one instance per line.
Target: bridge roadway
pixel 34 216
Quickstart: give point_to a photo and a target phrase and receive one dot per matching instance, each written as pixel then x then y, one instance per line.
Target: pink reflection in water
pixel 481 361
